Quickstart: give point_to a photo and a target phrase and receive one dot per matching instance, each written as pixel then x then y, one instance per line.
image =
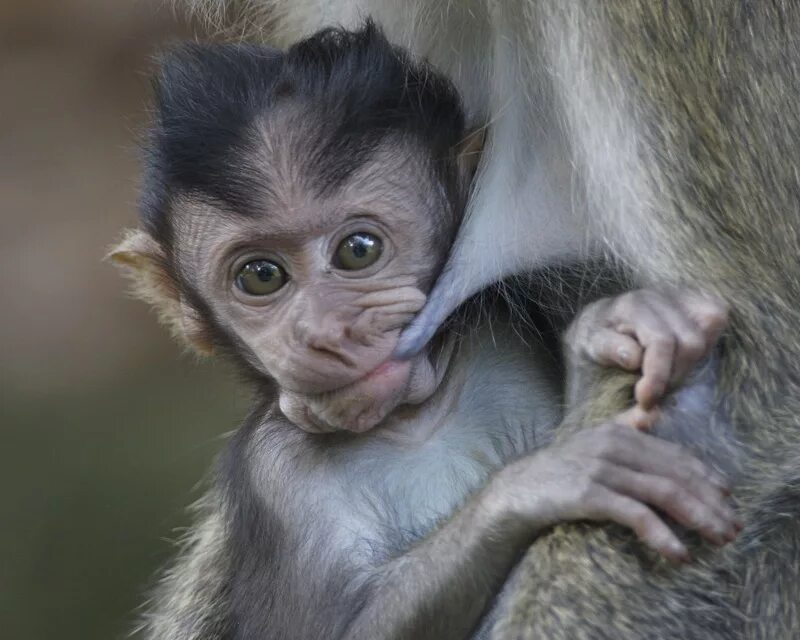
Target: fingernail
pixel 680 551
pixel 720 483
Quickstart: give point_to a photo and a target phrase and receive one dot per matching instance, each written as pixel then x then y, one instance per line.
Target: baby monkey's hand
pixel 663 334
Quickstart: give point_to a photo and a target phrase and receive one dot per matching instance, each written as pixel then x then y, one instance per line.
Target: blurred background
pixel 107 429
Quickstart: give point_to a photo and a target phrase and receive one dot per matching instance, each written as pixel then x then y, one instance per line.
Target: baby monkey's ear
pixel 142 260
pixel 469 153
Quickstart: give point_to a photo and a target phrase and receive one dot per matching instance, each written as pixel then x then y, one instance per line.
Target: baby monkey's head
pixel 296 207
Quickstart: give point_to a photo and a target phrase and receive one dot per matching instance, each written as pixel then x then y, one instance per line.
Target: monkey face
pixel 297 206
pixel 317 289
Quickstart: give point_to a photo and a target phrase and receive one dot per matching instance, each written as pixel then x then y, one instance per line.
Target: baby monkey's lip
pixel 387 369
pixel 365 402
pixel 382 368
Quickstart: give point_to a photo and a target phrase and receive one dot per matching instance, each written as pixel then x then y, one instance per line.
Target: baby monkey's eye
pixel 261 277
pixel 358 251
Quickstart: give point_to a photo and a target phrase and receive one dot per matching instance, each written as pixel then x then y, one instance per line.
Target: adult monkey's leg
pixel 684 120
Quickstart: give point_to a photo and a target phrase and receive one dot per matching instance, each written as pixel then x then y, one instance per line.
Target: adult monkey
pixel 676 122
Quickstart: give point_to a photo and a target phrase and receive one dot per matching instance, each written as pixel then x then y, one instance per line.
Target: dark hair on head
pixel 355 84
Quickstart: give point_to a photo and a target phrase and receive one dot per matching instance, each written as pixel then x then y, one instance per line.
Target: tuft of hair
pixel 353 89
pixel 148 278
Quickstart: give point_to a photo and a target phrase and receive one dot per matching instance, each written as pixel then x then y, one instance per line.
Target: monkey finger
pixel 691 344
pixel 709 516
pixel 608 505
pixel 410 297
pixel 659 352
pixel 655 335
pixel 376 321
pixel 646 453
pixel 709 313
pixel 673 462
pixel 639 418
pixel 611 348
pixel 393 317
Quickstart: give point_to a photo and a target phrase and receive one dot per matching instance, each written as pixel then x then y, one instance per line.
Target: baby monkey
pixel 298 205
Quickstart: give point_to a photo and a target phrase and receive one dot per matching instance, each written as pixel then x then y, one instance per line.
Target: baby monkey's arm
pixel 664 335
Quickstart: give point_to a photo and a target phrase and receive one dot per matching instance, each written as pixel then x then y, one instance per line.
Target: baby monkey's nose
pixel 329 337
pixel 326 337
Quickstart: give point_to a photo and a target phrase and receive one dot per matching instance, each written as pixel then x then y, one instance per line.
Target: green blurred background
pixel 107 428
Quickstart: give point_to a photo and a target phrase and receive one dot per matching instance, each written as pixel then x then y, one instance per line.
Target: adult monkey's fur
pixel 680 123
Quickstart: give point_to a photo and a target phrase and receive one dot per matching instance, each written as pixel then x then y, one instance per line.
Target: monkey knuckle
pixel 713 322
pixel 608 443
pixel 417 298
pixel 669 493
pixel 596 469
pixel 607 447
pixel 721 314
pixel 649 301
pixel 695 516
pixel 582 339
pixel 571 334
pixel 641 519
pixel 648 297
pixel 712 310
pixel 593 311
pixel 693 345
pixel 700 471
pixel 685 472
pixel 594 307
pixel 584 492
pixel 594 349
pixel 626 300
pixel 607 429
pixel 577 337
pixel 663 342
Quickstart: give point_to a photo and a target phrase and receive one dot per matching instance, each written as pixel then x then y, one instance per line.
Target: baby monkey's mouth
pixel 362 404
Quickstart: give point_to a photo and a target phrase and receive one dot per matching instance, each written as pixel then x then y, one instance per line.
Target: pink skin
pixel 337 376
pixel 363 404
